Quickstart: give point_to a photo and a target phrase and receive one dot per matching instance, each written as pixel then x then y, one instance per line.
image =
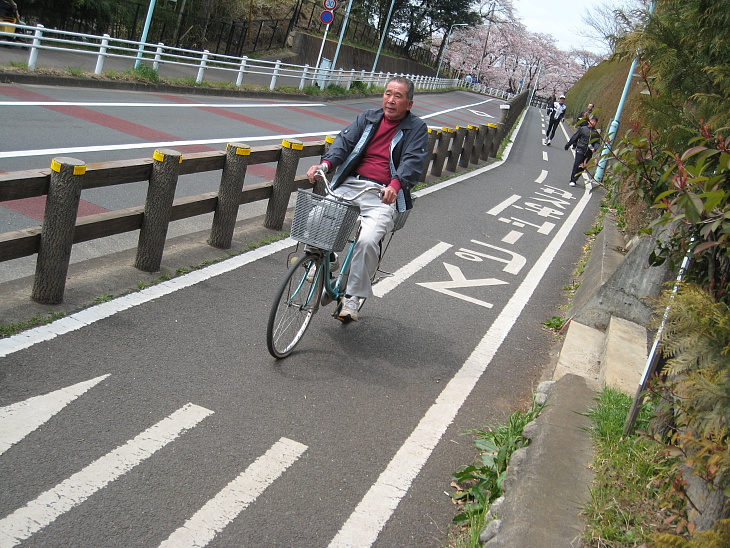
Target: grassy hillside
pixel 603 85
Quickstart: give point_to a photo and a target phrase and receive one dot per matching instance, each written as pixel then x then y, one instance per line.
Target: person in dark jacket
pixel 386 146
pixel 586 140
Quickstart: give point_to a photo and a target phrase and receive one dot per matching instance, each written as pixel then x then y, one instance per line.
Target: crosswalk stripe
pixel 219 511
pixel 44 510
pixel 20 419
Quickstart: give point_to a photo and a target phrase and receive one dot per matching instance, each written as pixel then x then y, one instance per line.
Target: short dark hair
pixel 410 88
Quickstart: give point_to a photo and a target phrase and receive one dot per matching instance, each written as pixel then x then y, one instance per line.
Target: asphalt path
pixel 188 433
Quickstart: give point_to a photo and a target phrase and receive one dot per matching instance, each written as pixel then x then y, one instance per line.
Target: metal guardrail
pixel 104 47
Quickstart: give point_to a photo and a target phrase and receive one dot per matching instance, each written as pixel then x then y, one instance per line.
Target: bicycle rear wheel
pixel 296 302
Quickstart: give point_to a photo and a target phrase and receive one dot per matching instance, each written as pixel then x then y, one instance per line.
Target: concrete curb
pixel 549 481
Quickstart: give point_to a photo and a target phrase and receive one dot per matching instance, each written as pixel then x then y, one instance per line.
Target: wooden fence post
pixel 471 135
pixel 476 152
pixel 442 151
pixel 433 134
pixel 286 171
pixel 57 232
pixel 157 209
pixel 457 145
pixel 229 195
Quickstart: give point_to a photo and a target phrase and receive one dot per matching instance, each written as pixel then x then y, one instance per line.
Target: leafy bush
pixel 359 86
pixel 480 484
pixel 147 73
pixel 696 383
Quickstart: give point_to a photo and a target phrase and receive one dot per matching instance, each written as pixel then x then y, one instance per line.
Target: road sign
pixel 326 17
pixel 330 4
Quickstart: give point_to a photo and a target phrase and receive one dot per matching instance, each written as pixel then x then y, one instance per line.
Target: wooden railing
pixel 63 182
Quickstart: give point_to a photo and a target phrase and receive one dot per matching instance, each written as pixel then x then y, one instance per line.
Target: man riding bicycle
pixel 386 146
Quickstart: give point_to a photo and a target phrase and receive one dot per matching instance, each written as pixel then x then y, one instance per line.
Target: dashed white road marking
pixel 20 419
pixel 512 237
pixel 219 511
pixel 545 155
pixel 543 175
pixel 499 208
pixel 44 510
pixel 402 274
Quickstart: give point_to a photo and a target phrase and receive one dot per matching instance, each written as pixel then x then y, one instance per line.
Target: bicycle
pixel 322 225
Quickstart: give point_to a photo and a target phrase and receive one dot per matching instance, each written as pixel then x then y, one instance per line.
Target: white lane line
pixel 158 144
pixel 222 509
pixel 402 274
pixel 88 316
pixel 20 419
pixel 173 144
pixel 542 176
pixel 156 105
pixel 545 155
pixel 427 116
pixel 44 510
pixel 375 509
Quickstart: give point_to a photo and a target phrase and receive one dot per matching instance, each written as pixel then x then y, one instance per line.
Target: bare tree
pixel 606 24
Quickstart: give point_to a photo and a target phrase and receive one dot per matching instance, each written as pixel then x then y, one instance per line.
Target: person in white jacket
pixel 556 115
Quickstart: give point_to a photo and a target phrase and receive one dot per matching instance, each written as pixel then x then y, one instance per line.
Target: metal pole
pixel 321 48
pixel 385 33
pixel 613 129
pixel 144 33
pixel 342 35
pixel 446 45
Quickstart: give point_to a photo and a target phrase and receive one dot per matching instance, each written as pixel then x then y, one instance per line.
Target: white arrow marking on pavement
pixel 222 509
pixel 384 286
pixel 480 113
pixel 458 281
pixel 44 510
pixel 542 176
pixel 20 419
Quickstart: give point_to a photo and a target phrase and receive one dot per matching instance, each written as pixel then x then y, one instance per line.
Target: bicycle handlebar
pixel 322 175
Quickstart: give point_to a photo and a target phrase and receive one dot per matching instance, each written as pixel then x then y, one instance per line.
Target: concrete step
pixel 615 358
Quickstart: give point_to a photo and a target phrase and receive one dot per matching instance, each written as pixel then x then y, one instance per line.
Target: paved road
pixel 163 418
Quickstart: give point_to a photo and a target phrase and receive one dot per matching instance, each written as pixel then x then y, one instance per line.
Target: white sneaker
pixel 349 309
pixel 547 143
pixel 572 183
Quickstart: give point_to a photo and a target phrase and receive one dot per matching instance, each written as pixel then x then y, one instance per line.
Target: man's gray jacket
pixel 408 151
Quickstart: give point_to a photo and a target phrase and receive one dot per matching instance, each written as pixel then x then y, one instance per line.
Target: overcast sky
pixel 560 19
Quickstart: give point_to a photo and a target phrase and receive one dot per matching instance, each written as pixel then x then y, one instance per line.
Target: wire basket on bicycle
pixel 322 222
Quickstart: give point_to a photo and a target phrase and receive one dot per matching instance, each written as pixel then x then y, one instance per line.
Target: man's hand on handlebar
pixel 312 171
pixel 388 195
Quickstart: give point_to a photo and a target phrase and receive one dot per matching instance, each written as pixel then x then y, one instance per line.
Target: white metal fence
pixel 39 39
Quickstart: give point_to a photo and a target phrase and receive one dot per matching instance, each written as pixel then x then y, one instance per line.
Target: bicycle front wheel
pixel 296 302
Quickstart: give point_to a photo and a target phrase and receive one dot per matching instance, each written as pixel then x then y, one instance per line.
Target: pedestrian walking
pixel 556 115
pixel 585 116
pixel 586 140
